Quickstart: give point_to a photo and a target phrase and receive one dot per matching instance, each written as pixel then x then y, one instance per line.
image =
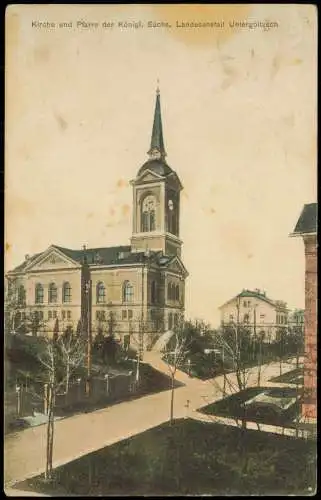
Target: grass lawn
pixel 152 382
pixel 232 407
pixel 293 377
pixel 190 458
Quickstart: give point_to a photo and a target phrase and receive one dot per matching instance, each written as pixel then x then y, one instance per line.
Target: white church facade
pixel 129 289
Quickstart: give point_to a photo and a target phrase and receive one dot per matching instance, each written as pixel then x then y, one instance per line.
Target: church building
pixel 136 291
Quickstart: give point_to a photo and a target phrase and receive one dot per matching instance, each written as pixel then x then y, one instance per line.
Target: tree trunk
pixel 50 433
pixel 260 365
pixel 137 369
pixel 172 399
pixel 224 384
pixel 67 375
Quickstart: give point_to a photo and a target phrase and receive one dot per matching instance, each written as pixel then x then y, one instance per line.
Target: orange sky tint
pixel 239 119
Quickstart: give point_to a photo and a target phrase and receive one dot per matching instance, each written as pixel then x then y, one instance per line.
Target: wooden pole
pixel 18 389
pixel 89 338
pixel 45 399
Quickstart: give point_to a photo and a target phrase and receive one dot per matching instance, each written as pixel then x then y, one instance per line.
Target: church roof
pixel 99 256
pixel 160 167
pixel 157 139
pixel 105 255
pixel 307 222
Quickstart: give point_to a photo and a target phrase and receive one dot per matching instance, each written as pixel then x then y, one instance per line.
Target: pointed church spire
pixel 157 149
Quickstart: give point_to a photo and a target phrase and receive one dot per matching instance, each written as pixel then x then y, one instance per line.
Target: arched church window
pixel 148 215
pixel 169 291
pixel 128 292
pixel 170 321
pixel 177 292
pixel 100 293
pixel 39 294
pixel 52 293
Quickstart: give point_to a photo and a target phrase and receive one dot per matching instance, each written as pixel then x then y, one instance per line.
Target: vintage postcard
pixel 160 250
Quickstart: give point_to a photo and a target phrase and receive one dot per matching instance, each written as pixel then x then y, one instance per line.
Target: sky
pixel 239 121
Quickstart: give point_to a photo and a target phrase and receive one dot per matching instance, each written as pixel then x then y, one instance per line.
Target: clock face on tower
pixel 171 205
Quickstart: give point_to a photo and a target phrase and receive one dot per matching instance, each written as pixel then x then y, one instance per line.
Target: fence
pixel 25 401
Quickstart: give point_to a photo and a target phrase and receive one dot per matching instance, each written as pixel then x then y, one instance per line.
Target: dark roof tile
pixel 101 256
pixel 307 222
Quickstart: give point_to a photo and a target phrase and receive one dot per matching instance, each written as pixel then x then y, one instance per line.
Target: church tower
pixel 156 198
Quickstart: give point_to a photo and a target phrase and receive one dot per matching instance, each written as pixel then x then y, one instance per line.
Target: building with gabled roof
pixel 140 286
pixel 306 228
pixel 264 317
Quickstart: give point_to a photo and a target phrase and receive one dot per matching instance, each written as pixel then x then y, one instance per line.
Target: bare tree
pixel 49 360
pixel 174 355
pixel 17 319
pixel 73 353
pixel 111 324
pixel 235 345
pixel 69 354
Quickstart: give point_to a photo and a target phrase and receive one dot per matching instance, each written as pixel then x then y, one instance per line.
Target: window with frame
pixel 152 314
pixel 68 314
pixel 169 291
pixel 49 315
pixel 54 314
pixel 66 292
pixel 63 315
pixel 153 292
pixel 52 293
pixel 100 315
pixel 124 314
pixel 21 295
pixel 128 292
pixel 170 321
pixel 17 319
pixel 39 294
pixel 177 292
pixel 246 318
pixel 40 315
pixel 100 293
pixel 130 314
pixel 148 214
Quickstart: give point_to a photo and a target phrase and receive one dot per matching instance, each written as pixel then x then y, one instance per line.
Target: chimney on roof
pixel 27 257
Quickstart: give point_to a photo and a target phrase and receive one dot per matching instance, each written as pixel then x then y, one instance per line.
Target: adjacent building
pixel 296 320
pixel 253 308
pixel 136 290
pixel 306 228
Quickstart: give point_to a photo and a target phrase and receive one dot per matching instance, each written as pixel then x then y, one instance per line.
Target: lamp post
pixel 189 367
pixel 78 388
pixel 89 336
pixel 107 383
pixel 18 391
